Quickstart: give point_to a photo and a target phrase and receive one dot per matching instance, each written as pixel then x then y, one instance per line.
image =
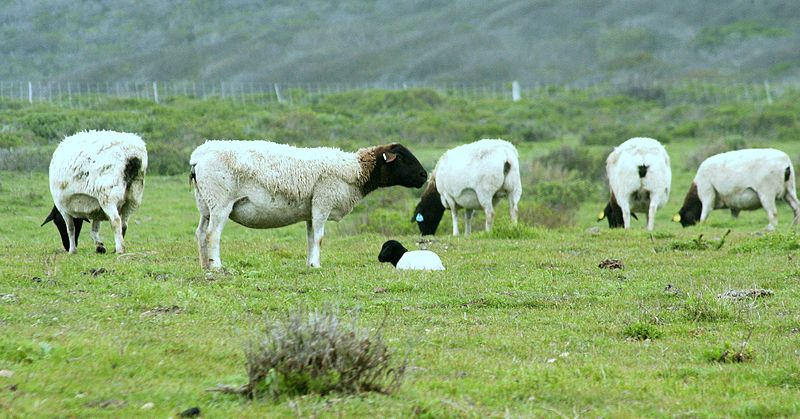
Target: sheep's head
pixel 393 165
pixel 391 252
pixel 429 211
pixel 689 213
pixel 613 213
pixel 58 220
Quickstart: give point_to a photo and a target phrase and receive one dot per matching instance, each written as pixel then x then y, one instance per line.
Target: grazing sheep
pixel 639 177
pixel 97 176
pixel 741 180
pixel 261 184
pixel 394 253
pixel 471 176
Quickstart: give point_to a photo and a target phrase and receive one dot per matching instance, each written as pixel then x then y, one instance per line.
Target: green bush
pixel 642 331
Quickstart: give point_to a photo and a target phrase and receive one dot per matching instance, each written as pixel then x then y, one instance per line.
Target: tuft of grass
pixel 706 308
pixel 730 354
pixel 770 242
pixel 318 352
pixel 700 243
pixel 642 331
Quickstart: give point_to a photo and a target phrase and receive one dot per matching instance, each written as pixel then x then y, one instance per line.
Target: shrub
pixel 730 354
pixel 316 352
pixel 698 155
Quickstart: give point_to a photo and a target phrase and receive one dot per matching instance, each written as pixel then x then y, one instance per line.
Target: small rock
pixel 6 373
pixel 751 293
pixel 8 298
pixel 551 360
pixel 379 290
pixel 190 412
pixel 36 279
pixel 796 330
pixel 148 406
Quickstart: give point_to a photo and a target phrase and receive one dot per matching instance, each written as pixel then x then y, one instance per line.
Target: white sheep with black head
pixel 639 176
pixel 96 176
pixel 741 180
pixel 471 176
pixel 403 259
pixel 262 184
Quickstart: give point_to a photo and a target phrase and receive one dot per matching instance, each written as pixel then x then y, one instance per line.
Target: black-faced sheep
pixel 639 177
pixel 261 184
pixel 401 258
pixel 741 180
pixel 471 176
pixel 96 176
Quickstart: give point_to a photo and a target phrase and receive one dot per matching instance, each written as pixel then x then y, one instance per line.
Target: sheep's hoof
pixel 100 249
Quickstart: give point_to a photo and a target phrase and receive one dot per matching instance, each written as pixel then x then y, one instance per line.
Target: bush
pixel 707 308
pixel 730 354
pixel 699 154
pixel 316 352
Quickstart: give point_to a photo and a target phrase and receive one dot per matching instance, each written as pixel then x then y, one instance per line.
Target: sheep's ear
pixel 601 216
pixel 676 218
pixel 51 216
pixel 389 157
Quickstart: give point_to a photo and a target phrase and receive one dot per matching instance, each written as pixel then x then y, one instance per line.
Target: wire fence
pixel 85 94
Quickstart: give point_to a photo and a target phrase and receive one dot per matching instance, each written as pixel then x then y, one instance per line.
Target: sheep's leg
pixel 735 212
pixel 201 235
pixel 216 222
pixel 468 213
pixel 116 224
pixel 772 212
pixel 791 199
pixel 318 230
pixel 625 207
pixel 70 222
pixel 488 209
pixel 513 204
pixel 651 215
pixel 99 246
pixel 309 241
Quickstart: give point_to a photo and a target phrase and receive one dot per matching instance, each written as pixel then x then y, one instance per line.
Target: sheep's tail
pixel 132 171
pixel 643 170
pixel 193 178
pixel 787 174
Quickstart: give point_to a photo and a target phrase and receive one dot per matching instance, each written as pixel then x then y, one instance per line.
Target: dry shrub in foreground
pixel 317 352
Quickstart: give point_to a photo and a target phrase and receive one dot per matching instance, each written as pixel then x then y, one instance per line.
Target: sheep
pixel 262 184
pixel 396 254
pixel 639 177
pixel 470 176
pixel 741 180
pixel 96 176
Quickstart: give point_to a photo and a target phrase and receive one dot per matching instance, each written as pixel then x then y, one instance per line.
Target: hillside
pixel 574 41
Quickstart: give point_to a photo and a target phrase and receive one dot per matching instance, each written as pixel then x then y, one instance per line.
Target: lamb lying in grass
pixel 396 254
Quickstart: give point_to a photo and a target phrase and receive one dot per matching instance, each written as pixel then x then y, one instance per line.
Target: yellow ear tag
pixel 676 218
pixel 601 215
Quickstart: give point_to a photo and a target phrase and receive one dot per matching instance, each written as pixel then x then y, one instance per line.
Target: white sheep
pixel 471 176
pixel 741 180
pixel 261 184
pixel 96 175
pixel 639 177
pixel 403 259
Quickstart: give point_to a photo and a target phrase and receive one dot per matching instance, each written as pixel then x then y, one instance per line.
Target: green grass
pixel 522 323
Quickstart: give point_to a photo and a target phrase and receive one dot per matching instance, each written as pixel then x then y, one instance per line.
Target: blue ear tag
pixel 419 217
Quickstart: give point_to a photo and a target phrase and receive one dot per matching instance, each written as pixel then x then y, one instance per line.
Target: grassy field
pixel 522 323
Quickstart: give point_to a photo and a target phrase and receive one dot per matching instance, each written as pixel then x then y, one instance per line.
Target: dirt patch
pixel 751 293
pixel 611 264
pixel 161 310
pixel 107 404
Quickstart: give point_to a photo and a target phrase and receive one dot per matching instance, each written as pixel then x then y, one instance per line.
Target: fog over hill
pixel 545 41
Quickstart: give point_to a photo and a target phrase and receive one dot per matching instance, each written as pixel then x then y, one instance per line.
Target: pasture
pixel 522 323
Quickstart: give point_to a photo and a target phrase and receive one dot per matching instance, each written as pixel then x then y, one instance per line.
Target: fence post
pixel 515 95
pixel 155 91
pixel 769 95
pixel 30 92
pixel 278 93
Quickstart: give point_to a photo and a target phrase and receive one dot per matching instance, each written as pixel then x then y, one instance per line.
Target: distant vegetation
pixel 571 41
